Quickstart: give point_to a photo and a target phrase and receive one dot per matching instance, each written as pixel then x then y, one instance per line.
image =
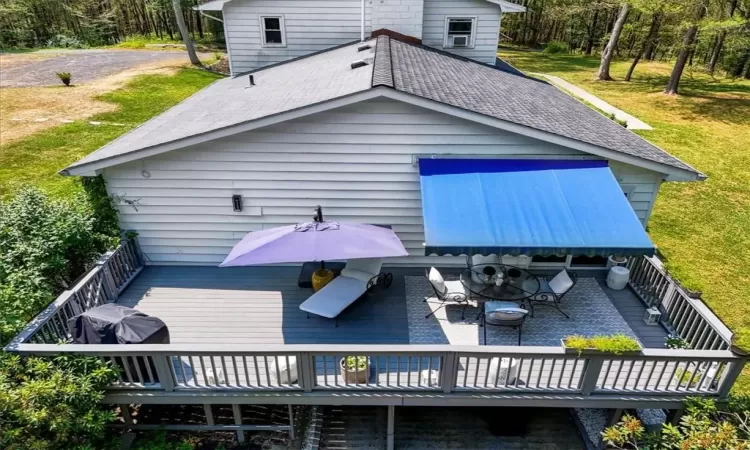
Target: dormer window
pixel 460 32
pixel 272 31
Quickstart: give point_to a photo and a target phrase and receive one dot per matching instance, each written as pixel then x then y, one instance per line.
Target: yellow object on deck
pixel 320 278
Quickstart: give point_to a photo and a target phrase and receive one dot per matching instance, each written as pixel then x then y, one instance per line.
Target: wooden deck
pixel 260 305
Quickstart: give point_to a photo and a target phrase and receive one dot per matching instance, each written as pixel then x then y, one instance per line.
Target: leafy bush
pixel 53 403
pixel 555 47
pixel 622 123
pixel 64 77
pixel 160 441
pixel 48 403
pixel 616 344
pixel 703 427
pixel 64 41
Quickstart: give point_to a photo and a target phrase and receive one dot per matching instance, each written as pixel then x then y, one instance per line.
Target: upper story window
pixel 272 31
pixel 460 32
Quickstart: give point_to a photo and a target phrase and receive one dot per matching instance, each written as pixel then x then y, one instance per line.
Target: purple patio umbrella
pixel 315 241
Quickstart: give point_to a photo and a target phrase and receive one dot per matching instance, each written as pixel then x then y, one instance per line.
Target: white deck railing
pixel 709 369
pixel 688 317
pixel 413 368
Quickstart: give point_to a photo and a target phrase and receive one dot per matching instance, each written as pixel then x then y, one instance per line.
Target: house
pixel 260 33
pixel 458 157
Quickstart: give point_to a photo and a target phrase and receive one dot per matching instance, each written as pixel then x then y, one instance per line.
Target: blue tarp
pixel 527 207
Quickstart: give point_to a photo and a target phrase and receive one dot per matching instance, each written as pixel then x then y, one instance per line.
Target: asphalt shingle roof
pixel 405 67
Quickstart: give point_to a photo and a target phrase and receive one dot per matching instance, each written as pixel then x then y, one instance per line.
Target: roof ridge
pixel 382 71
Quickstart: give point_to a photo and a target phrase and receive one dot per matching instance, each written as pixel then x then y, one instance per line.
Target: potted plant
pixel 675 342
pixel 488 272
pixel 616 344
pixel 355 369
pixel 617 260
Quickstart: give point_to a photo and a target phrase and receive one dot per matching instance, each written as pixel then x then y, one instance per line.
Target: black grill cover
pixel 115 324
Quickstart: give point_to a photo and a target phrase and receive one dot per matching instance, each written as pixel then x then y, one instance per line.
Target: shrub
pixel 53 403
pixel 622 123
pixel 555 47
pixel 63 41
pixel 64 77
pixel 616 344
pixel 704 426
pixel 47 403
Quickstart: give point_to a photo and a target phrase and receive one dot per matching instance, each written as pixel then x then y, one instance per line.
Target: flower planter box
pixel 593 351
pixel 352 376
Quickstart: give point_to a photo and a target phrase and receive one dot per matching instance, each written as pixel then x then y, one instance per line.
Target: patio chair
pixel 551 292
pixel 503 314
pixel 359 277
pixel 446 291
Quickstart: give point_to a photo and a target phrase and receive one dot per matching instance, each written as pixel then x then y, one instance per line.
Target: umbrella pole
pixel 319 219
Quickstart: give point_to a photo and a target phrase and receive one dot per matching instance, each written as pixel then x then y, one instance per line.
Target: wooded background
pixel 714 34
pixel 653 30
pixel 74 23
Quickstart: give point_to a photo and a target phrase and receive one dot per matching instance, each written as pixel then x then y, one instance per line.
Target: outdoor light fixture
pixel 237 203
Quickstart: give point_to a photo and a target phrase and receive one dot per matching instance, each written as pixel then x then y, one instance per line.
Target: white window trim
pixel 472 37
pixel 263 30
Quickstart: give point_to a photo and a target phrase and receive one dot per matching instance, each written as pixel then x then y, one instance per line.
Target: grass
pixel 37 159
pixel 140 42
pixel 702 228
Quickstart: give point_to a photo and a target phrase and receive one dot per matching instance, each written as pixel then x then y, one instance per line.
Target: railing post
pixel 306 371
pixel 448 372
pixel 164 372
pixel 730 376
pixel 109 281
pixel 591 374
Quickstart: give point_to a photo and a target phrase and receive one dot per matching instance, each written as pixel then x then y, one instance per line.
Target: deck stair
pixel 350 428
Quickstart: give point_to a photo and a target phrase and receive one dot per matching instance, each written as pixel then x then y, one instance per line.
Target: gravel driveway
pixel 84 65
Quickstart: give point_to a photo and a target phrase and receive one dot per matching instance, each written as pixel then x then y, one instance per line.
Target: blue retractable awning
pixel 527 207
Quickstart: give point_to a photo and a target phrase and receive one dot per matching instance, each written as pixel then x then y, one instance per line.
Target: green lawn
pixel 702 228
pixel 37 159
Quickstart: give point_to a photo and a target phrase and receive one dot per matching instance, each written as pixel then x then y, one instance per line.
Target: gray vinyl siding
pixel 488 26
pixel 311 25
pixel 356 161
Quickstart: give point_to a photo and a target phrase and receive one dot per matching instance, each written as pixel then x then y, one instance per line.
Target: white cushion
pixel 481 259
pixel 437 280
pixel 561 283
pixel 367 265
pixel 454 287
pixel 356 274
pixel 334 297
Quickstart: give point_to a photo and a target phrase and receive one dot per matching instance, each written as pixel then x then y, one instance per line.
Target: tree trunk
pixel 648 43
pixel 592 31
pixel 682 59
pixel 184 32
pixel 609 50
pixel 716 55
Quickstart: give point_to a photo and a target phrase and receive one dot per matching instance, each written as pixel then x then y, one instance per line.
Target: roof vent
pixel 364 47
pixel 252 80
pixel 359 63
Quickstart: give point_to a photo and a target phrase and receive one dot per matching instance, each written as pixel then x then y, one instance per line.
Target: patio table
pixel 519 284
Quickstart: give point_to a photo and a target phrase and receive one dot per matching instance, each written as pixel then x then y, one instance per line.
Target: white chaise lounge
pixel 357 276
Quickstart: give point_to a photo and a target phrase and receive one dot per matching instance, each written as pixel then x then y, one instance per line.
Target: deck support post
pixel 238 421
pixel 291 422
pixel 615 417
pixel 209 414
pixel 591 375
pixel 125 411
pixel 675 416
pixel 391 427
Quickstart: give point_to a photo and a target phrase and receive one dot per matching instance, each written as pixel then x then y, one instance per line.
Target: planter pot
pixel 613 261
pixel 355 376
